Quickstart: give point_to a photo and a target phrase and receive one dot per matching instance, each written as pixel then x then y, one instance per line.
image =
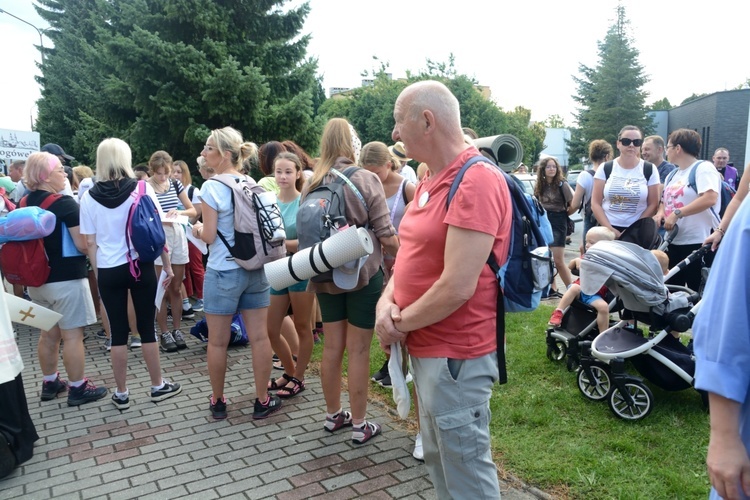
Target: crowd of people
pixel 426 285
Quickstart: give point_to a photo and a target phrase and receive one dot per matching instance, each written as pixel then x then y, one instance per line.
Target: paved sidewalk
pixel 173 449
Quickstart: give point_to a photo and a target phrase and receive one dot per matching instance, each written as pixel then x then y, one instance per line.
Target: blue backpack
pixel 143 231
pixel 726 192
pixel 529 268
pixel 238 335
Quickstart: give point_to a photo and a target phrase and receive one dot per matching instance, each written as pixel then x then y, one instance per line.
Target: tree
pixel 610 95
pixel 692 97
pixel 661 105
pixel 370 109
pixel 554 121
pixel 161 74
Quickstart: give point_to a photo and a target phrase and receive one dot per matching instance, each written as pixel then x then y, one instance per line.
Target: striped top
pixel 170 198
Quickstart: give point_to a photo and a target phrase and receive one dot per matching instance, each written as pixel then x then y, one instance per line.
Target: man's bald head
pixel 435 97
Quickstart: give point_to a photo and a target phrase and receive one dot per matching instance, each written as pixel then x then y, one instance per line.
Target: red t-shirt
pixel 482 203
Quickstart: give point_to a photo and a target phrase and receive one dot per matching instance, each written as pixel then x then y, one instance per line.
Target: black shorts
pixel 559 222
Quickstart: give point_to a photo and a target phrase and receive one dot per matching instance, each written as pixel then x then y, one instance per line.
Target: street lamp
pixel 41 40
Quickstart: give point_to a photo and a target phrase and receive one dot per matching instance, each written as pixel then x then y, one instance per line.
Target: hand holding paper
pixel 172 217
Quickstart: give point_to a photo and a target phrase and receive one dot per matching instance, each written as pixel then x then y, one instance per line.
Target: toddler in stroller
pixel 597 300
pixel 577 320
pixel 636 277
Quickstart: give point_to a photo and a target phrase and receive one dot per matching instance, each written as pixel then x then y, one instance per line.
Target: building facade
pixel 723 121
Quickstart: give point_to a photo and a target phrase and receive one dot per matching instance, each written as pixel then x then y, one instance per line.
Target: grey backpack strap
pixel 345 176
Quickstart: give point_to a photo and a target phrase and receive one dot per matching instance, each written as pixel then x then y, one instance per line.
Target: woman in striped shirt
pixel 171 195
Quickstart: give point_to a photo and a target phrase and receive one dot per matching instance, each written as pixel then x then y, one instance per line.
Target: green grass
pixel 545 433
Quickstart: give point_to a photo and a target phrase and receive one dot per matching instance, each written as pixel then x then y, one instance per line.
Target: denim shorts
pixel 298 287
pixel 226 292
pixel 588 299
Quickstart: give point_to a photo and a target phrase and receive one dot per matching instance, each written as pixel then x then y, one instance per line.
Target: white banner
pixel 16 145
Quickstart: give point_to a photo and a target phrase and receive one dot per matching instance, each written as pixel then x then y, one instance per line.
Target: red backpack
pixel 25 262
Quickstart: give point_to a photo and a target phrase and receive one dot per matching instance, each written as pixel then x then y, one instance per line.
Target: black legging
pixel 691 275
pixel 114 283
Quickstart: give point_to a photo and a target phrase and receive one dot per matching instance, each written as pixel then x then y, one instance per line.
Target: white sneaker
pixel 418 451
pixel 135 342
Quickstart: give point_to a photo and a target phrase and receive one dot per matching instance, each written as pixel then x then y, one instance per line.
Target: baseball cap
pixel 55 149
pixel 346 277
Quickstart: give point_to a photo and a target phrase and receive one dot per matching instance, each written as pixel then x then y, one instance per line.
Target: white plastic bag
pixel 400 389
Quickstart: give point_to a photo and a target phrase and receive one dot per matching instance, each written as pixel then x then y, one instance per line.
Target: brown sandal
pixel 273 386
pixel 297 386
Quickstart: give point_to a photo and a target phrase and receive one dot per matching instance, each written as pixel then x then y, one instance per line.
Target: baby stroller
pixel 634 276
pixel 579 320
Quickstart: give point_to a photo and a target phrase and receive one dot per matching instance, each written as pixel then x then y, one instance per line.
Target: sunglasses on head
pixel 635 142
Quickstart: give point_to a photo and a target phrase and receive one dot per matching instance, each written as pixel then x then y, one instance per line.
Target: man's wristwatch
pixel 678 213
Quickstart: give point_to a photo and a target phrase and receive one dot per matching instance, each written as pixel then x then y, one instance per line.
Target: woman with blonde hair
pixel 83 179
pixel 66 290
pixel 379 159
pixel 104 215
pixel 194 272
pixel 349 314
pixel 232 287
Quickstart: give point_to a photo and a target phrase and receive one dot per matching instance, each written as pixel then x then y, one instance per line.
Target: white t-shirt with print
pixel 626 193
pixel 693 229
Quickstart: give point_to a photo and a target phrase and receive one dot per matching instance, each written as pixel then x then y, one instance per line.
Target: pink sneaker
pixel 556 319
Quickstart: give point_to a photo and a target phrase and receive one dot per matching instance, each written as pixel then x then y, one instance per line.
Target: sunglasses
pixel 635 142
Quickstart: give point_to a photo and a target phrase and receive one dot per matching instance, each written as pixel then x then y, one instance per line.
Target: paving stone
pixel 173 449
pixel 110 486
pixel 404 489
pixel 269 490
pixel 342 480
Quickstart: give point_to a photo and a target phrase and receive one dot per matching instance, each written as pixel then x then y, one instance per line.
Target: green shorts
pixel 358 307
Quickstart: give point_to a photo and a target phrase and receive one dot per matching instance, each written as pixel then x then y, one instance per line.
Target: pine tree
pixel 161 74
pixel 610 95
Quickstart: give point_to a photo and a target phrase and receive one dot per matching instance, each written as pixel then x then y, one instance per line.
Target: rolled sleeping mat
pixel 505 149
pixel 345 246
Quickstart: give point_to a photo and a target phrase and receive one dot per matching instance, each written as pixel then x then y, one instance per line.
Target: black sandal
pixel 272 386
pixel 277 363
pixel 297 387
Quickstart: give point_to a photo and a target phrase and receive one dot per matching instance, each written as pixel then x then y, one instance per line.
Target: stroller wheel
pixel 557 352
pixel 601 385
pixel 641 405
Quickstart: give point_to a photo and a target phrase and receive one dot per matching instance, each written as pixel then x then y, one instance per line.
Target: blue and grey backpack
pixel 529 268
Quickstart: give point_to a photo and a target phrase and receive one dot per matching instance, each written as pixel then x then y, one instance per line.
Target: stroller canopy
pixel 632 273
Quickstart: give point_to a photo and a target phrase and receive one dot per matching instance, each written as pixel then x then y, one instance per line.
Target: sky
pixel 526 51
